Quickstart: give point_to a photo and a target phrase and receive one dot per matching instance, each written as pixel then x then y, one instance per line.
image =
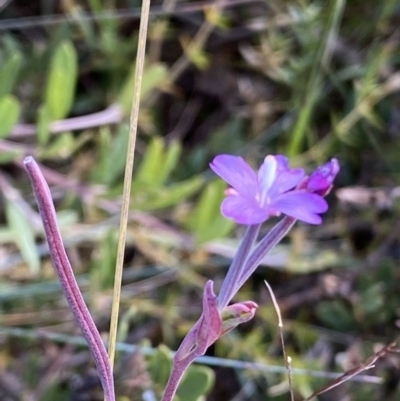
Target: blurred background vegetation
pixel 310 79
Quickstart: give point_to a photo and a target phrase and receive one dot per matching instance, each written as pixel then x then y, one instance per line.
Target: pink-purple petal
pixel 286 181
pixel 322 178
pixel 237 173
pixel 274 189
pixel 243 210
pixel 283 162
pixel 267 173
pixel 302 206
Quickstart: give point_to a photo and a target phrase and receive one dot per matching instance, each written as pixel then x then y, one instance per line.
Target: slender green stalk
pixel 140 57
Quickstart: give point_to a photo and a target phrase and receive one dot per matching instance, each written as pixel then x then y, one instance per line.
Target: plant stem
pixel 67 279
pixel 235 270
pixel 140 57
pixel 263 247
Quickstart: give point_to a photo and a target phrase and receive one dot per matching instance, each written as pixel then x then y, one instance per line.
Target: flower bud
pixel 320 181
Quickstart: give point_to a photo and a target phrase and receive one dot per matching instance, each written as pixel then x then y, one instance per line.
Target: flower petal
pixel 237 173
pixel 243 210
pixel 283 162
pixel 322 178
pixel 286 180
pixel 267 173
pixel 301 205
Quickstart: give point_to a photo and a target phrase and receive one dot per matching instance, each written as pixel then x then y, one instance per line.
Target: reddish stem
pixel 67 278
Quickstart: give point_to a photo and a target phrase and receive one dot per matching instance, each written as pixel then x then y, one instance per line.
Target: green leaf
pixel 112 155
pixel 86 26
pixel 197 382
pixel 228 138
pixel 313 259
pixel 336 314
pixel 153 77
pixel 151 165
pixel 372 300
pixel 207 222
pixel 304 384
pixel 170 160
pixel 60 90
pixel 9 72
pixel 148 190
pixel 159 198
pixel 62 147
pixel 55 392
pixel 158 162
pixel 11 155
pixel 9 113
pixel 159 366
pixel 305 335
pixel 24 235
pixel 195 53
pixel 43 122
pixel 95 5
pixel 102 271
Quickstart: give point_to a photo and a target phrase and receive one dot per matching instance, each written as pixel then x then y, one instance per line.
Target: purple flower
pixel 321 180
pixel 254 197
